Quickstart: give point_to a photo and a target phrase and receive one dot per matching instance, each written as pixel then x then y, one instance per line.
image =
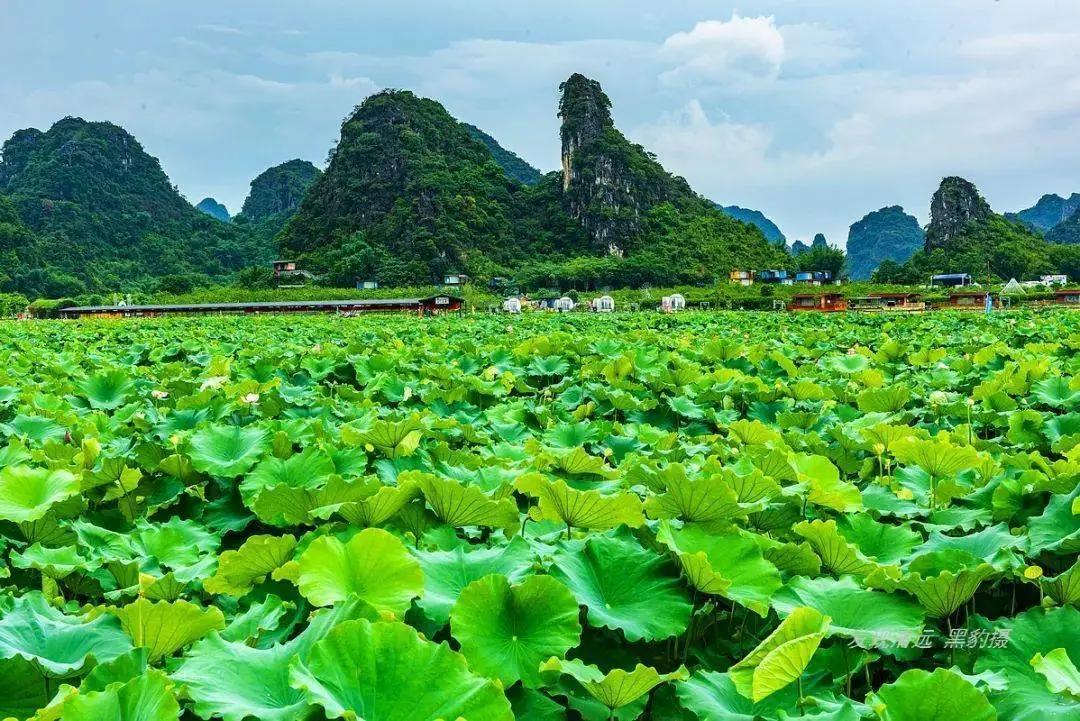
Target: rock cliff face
pixel 886 234
pixel 608 183
pixel 955 205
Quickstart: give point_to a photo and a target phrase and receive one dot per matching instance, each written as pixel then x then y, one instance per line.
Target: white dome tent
pixel 673 303
pixel 564 304
pixel 603 304
pixel 512 305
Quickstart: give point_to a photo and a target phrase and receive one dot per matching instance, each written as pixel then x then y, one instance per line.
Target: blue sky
pixel 814 111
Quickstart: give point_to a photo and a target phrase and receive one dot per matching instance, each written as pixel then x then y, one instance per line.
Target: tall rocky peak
pixel 609 184
pixel 585 111
pixel 955 205
pixel 279 189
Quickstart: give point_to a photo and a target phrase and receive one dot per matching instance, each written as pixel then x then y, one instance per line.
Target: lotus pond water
pixel 693 517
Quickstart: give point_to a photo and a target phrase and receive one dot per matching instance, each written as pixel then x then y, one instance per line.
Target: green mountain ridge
pixel 885 234
pixel 758 219
pixel 106 215
pixel 410 193
pixel 213 208
pixel 275 196
pixel 1051 211
pixel 512 165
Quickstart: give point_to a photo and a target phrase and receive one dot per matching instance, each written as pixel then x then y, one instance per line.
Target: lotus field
pixel 699 517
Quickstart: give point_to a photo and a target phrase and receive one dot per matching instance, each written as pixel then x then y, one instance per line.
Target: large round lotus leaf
pixel 387 672
pixel 882 542
pixel 52 562
pixel 1058 528
pixel 256 558
pixel 374 565
pixel 506 631
pixel 107 390
pixel 227 450
pixel 781 658
pixel 235 682
pixel 21 689
pixel 165 627
pixel 1033 632
pixel 616 688
pixel 712 696
pixel 870 618
pixel 146 698
pixel 729 564
pixel 307 469
pixel 447 573
pixel 625 587
pixel 939 696
pixel 27 494
pixel 941 459
pixel 59 645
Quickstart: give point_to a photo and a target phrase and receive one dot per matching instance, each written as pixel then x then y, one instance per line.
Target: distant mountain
pixel 799 247
pixel 105 212
pixel 1049 212
pixel 886 234
pixel 966 236
pixel 275 196
pixel 758 219
pixel 410 193
pixel 512 165
pixel 1066 232
pixel 214 209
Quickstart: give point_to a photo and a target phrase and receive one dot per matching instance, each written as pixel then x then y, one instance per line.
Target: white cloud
pixel 716 50
pixel 220 29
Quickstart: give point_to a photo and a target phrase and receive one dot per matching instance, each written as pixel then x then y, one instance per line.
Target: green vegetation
pixel 514 167
pixel 275 195
pixel 756 218
pixel 886 234
pixel 1050 212
pixel 106 216
pixel 595 517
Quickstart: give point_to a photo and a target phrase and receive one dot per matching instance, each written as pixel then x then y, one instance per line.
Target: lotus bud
pixel 939 397
pixel 1033 573
pixel 251 398
pixel 159 394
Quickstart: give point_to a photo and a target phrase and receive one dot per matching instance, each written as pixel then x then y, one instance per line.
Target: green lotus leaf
pixel 707 499
pixel 163 627
pixel 22 692
pixel 625 587
pixel 256 558
pixel 729 564
pixel 227 451
pixel 506 631
pixel 794 559
pixel 178 544
pixel 942 581
pixel 146 698
pixel 891 399
pixel 826 489
pixel 578 462
pixel 753 433
pixel 27 494
pixel 1064 588
pixel 752 487
pixel 939 696
pixel 108 390
pixel 1060 672
pixel 308 469
pixel 846 364
pixel 781 658
pixel 260 617
pixel 55 563
pixel 532 705
pixel 1031 633
pixel 37 429
pixel 1058 528
pixel 880 542
pixel 447 573
pixel 393 438
pixel 284 505
pixel 459 505
pixel 387 672
pixel 870 618
pixel 617 688
pixel 836 553
pixel 57 644
pixel 994 545
pixel 939 458
pixel 373 565
pixel 1055 392
pixel 378 505
pixel 235 682
pixel 580 509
